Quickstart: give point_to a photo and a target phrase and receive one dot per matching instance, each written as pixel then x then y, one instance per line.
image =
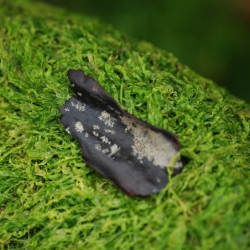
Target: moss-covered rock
pixel 51 200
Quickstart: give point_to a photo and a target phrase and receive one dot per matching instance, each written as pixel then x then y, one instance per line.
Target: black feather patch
pixel 124 149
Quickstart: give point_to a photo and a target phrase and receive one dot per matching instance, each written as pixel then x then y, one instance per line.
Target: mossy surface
pixel 51 200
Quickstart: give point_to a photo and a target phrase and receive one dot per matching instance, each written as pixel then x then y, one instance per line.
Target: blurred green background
pixel 211 37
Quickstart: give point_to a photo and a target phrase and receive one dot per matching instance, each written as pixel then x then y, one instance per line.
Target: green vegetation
pixel 212 37
pixel 51 200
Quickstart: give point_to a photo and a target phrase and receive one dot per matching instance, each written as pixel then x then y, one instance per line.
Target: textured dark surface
pixel 131 153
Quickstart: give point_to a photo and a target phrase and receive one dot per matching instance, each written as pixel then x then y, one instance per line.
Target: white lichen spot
pixel 158 180
pixel 72 103
pixel 79 127
pixel 107 119
pixel 105 139
pixel 68 130
pixel 80 94
pixel 104 115
pixel 73 85
pixel 98 147
pixel 110 107
pixel 178 165
pixel 150 144
pixel 113 149
pixel 109 131
pixel 154 190
pixel 95 133
pixel 86 134
pixel 95 127
pixel 80 107
pixel 66 109
pixel 105 150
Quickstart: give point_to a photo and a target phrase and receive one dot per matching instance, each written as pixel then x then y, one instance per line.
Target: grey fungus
pixel 129 152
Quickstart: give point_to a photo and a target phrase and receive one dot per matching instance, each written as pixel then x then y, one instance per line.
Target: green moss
pixel 51 200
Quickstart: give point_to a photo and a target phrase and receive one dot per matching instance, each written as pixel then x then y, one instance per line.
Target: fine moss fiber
pixel 49 199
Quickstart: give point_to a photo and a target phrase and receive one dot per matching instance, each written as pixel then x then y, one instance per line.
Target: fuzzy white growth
pixel 79 127
pixel 98 147
pixel 80 94
pixel 80 107
pixel 95 127
pixel 66 109
pixel 105 139
pixel 114 149
pixel 107 119
pixel 109 131
pixel 178 165
pixel 105 150
pixel 86 134
pixel 95 133
pixel 158 180
pixel 68 130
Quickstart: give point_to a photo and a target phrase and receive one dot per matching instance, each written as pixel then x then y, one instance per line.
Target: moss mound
pixel 51 200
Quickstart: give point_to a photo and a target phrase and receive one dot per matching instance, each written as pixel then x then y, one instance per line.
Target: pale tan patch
pixel 149 144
